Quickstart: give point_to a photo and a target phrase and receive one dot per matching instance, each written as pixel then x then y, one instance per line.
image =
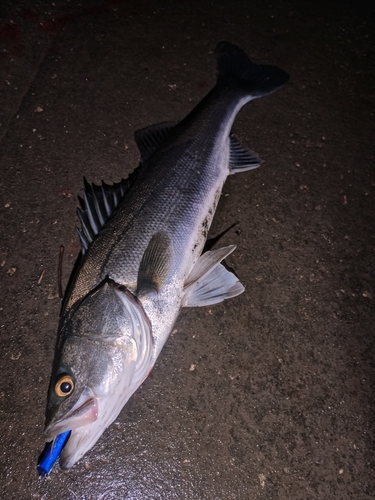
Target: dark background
pixel 280 403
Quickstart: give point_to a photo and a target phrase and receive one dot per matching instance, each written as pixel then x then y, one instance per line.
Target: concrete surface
pixel 280 404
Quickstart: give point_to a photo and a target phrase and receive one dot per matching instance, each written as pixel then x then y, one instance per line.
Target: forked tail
pixel 256 80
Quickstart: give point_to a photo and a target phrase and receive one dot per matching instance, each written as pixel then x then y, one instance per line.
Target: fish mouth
pixel 84 412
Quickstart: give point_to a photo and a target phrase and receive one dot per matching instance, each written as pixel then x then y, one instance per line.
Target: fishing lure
pixel 51 453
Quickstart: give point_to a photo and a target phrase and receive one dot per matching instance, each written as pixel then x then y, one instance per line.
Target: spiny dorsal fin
pixel 155 263
pixel 149 139
pixel 98 204
pixel 241 158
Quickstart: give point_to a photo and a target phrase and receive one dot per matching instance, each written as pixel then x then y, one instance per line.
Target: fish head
pixel 103 354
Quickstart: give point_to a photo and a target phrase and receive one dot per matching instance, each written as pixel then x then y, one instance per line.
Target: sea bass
pixel 141 260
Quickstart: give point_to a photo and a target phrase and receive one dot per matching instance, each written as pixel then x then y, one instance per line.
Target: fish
pixel 142 259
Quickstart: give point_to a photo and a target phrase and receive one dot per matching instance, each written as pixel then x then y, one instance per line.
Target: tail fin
pixel 257 80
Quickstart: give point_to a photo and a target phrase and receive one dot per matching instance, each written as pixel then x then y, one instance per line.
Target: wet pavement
pixel 271 394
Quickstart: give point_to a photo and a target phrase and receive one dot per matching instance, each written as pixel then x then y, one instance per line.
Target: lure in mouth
pixel 64 436
pixel 51 453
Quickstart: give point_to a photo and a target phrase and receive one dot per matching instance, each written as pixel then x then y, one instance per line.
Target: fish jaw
pixel 91 415
pixel 81 440
pixel 87 421
pixel 83 413
pixel 84 437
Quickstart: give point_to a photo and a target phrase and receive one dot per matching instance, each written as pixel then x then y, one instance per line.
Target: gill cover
pixel 105 347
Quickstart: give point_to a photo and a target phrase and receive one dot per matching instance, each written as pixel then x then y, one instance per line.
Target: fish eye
pixel 64 386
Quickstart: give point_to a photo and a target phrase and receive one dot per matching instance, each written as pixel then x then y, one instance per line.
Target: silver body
pixel 144 263
pixel 176 193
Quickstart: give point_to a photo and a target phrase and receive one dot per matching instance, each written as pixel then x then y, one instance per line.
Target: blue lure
pixel 51 453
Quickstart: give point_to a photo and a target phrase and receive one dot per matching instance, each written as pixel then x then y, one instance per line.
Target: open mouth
pixel 84 412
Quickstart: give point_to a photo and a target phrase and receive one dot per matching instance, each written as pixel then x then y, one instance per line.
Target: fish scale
pixel 139 217
pixel 142 259
pixel 181 164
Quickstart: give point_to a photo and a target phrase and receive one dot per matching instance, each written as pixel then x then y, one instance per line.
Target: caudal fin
pixel 257 80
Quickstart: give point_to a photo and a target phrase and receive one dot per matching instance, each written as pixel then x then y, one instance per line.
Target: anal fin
pixel 241 158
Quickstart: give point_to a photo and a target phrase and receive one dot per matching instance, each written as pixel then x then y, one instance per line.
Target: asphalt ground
pixel 269 395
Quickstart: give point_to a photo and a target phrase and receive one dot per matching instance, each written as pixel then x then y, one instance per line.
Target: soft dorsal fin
pixel 155 263
pixel 210 282
pixel 149 139
pixel 241 158
pixel 98 204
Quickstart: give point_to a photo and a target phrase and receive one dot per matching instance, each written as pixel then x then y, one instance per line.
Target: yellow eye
pixel 64 386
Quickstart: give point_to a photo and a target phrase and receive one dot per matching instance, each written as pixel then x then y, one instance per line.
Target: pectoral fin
pixel 154 266
pixel 209 282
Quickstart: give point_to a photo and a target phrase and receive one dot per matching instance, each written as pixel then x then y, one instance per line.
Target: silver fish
pixel 141 258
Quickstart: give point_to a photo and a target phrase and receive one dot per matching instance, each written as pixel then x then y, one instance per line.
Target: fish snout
pixel 85 411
